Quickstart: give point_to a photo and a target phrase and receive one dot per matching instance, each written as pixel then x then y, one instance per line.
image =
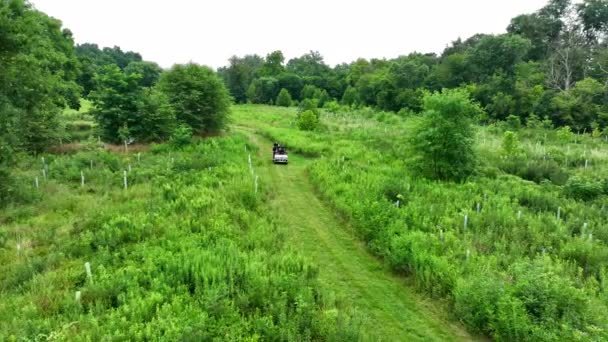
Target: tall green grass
pixel 188 252
pixel 515 270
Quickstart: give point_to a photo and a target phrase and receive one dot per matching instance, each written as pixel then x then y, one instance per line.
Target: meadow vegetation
pixel 190 250
pixel 131 207
pixel 519 248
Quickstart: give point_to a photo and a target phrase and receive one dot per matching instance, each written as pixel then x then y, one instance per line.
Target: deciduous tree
pixel 199 97
pixel 442 142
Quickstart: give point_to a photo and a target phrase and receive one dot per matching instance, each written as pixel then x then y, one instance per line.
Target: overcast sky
pixel 209 32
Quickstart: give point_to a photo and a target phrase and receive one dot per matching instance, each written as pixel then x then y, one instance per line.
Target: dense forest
pixel 136 202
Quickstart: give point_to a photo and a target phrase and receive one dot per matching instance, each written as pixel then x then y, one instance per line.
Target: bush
pixel 475 299
pixel 535 170
pixel 181 136
pixel 333 107
pixel 510 143
pixel 284 98
pixel 585 189
pixel 309 105
pixel 565 135
pixel 307 121
pixel 513 123
pixel 350 96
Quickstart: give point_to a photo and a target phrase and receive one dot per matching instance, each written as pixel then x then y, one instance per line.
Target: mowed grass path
pixel 392 310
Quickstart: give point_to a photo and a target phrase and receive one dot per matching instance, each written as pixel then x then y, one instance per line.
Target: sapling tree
pixel 510 144
pixel 565 135
pixel 284 98
pixel 442 141
pixel 307 121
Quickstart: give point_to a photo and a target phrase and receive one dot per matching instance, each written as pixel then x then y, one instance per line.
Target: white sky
pixel 209 32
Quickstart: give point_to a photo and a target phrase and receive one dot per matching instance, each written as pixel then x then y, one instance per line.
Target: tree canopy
pixel 442 142
pixel 198 96
pixel 126 110
pixel 529 71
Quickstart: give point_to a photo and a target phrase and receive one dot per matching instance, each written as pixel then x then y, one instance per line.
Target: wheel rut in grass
pixel 392 309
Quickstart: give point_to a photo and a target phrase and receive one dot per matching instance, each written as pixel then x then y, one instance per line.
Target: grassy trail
pixel 393 311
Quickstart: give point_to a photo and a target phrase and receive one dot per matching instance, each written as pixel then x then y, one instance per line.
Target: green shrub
pixel 309 105
pixel 284 98
pixel 513 123
pixel 307 121
pixel 583 188
pixel 510 143
pixel 535 170
pixel 192 253
pixel 182 136
pixel 475 300
pixel 565 135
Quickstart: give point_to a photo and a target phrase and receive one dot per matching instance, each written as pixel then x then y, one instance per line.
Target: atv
pixel 279 154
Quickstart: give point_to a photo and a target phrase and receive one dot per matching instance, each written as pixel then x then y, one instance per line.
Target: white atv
pixel 279 154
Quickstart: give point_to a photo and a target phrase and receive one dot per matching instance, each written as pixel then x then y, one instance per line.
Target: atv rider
pixel 275 148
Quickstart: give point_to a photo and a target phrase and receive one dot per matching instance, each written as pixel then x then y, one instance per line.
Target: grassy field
pixel 344 243
pixel 190 250
pixel 518 251
pixel 391 309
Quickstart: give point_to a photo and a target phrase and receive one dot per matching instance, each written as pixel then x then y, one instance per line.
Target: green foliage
pixel 552 64
pixel 565 135
pixel 310 92
pixel 533 122
pixel 239 74
pixel 350 96
pixel 198 97
pixel 516 272
pixel 273 65
pixel 513 123
pixel 307 120
pixel 156 116
pixel 182 136
pixel 442 142
pixel 125 110
pixel 494 54
pixel 309 105
pixel 581 106
pixel 149 72
pixel 187 253
pixel 535 170
pixel 584 188
pixel 92 60
pixel 284 98
pixel 38 68
pixel 292 83
pixel 334 107
pixel 263 90
pixel 594 16
pixel 510 143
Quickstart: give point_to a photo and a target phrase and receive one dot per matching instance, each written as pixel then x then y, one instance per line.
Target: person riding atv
pixel 279 154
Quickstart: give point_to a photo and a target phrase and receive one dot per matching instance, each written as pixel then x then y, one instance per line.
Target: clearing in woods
pixel 392 310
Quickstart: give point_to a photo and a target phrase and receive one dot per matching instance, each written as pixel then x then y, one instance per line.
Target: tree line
pixel 42 72
pixel 552 63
